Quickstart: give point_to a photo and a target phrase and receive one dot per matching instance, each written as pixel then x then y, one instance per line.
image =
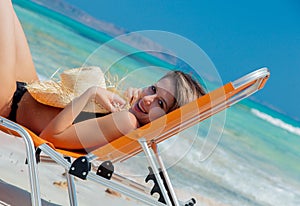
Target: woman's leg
pixel 25 70
pixel 15 58
pixel 7 55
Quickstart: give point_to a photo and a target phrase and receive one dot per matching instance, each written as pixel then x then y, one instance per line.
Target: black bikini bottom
pixel 20 91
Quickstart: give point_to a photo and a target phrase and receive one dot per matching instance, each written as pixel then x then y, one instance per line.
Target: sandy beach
pixel 14 183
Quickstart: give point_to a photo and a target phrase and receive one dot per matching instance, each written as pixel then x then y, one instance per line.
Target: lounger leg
pixel 153 165
pixel 164 171
pixel 71 186
pixel 33 175
pixel 32 165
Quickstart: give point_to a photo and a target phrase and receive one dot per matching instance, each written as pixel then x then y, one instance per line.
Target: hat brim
pixel 52 93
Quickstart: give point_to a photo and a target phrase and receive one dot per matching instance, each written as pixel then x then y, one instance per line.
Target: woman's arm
pixel 67 116
pixel 62 133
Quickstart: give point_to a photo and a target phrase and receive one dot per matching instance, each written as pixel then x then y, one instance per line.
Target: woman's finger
pixel 117 99
pixel 135 95
pixel 129 94
pixel 106 103
pixel 105 99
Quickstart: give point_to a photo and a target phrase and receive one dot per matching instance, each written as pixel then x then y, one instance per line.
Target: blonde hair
pixel 186 88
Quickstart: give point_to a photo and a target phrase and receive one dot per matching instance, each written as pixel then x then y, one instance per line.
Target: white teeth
pixel 141 108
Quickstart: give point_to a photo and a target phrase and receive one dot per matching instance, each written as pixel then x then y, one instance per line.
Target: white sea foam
pixel 277 122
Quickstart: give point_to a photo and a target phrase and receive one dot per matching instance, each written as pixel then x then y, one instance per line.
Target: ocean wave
pixel 277 122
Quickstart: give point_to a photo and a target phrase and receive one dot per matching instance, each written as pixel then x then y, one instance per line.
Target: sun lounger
pixel 144 139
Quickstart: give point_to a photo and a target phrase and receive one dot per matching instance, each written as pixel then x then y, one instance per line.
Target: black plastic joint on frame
pixel 156 188
pixel 191 202
pixel 80 167
pixel 38 152
pixel 106 170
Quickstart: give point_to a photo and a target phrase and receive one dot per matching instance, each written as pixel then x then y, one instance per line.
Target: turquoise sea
pixel 256 158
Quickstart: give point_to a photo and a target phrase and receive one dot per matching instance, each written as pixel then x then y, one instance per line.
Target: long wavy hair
pixel 187 89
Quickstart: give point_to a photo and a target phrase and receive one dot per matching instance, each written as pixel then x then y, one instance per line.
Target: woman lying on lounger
pixel 57 124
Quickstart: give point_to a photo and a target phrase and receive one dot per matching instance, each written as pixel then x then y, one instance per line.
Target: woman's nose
pixel 148 99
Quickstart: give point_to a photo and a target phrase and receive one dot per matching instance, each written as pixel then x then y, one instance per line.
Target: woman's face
pixel 154 101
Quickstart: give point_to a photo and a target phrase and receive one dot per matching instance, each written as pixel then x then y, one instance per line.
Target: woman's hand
pixel 132 94
pixel 109 100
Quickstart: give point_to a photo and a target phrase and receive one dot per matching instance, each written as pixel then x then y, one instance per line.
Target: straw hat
pixel 73 83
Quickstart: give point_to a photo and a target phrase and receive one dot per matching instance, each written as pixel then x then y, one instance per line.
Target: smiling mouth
pixel 140 108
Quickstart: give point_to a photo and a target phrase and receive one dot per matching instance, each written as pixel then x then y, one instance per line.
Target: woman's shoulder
pixel 126 121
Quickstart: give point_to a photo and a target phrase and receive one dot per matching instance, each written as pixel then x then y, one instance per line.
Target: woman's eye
pixel 153 88
pixel 161 104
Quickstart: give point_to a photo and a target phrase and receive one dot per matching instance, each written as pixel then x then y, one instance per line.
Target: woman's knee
pixel 6 94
